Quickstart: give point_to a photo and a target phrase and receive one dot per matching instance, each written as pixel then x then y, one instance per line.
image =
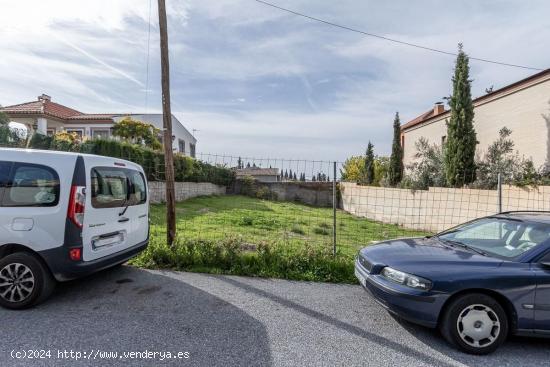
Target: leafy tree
pixel 286 174
pixel 381 169
pixel 501 158
pixel 369 165
pixel 352 170
pixel 428 167
pixel 248 165
pixel 4 119
pixel 460 148
pixel 290 174
pixel 137 132
pixel 240 163
pixel 395 173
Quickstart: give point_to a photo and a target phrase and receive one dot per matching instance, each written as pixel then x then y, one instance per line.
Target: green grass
pixel 248 236
pixel 255 221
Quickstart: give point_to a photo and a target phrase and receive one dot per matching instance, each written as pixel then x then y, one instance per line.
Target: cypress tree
pixel 395 172
pixel 369 164
pixel 460 147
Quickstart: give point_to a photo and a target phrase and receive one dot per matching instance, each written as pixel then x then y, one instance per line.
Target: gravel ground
pixel 230 321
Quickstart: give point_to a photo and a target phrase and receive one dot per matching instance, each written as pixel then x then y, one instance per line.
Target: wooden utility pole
pixel 167 124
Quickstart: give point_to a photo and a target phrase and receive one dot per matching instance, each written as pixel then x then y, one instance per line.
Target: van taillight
pixel 75 254
pixel 77 203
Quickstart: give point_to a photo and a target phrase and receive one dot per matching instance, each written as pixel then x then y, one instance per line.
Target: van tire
pixel 42 282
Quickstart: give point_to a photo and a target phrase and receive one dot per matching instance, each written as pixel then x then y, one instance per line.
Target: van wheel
pixel 24 281
pixel 475 323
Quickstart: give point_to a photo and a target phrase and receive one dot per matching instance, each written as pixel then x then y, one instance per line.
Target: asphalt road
pixel 230 321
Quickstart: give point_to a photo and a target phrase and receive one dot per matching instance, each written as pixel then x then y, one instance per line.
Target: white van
pixel 63 216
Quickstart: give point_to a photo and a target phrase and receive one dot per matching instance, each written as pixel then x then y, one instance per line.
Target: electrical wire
pixel 392 39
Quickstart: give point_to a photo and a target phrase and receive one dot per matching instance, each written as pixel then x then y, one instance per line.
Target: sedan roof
pixel 531 216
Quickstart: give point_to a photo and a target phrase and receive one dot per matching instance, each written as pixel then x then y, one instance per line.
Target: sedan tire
pixel 475 323
pixel 24 281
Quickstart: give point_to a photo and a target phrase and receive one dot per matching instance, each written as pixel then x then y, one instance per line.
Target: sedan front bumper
pixel 412 305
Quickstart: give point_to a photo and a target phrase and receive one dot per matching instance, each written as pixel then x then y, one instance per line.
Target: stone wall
pixel 437 208
pixel 184 190
pixel 311 193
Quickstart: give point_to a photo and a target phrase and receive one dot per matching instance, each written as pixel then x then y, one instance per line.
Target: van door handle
pixel 122 220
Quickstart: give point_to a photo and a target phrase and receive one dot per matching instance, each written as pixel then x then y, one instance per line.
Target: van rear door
pixel 116 215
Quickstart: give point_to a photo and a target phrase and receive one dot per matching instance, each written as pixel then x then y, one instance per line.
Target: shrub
pixel 41 141
pixel 297 229
pixel 321 230
pixel 246 221
pixel 428 168
pixel 233 256
pixel 186 169
pixel 10 137
pixel 501 158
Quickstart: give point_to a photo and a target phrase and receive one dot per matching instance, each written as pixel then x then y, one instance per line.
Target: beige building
pixel 523 107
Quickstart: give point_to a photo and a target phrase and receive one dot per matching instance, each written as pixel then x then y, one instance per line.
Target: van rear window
pixel 114 187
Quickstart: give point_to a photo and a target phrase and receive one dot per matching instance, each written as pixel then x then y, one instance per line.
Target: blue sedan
pixel 477 283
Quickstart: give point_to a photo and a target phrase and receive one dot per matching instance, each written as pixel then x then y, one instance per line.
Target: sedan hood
pixel 425 257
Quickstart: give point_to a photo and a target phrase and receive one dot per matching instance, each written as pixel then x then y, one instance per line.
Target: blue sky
pixel 259 82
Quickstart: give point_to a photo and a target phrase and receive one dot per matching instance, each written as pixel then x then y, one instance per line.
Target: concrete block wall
pixel 184 190
pixel 437 208
pixel 311 193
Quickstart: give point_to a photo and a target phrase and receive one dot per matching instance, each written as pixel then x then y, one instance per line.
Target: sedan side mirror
pixel 545 264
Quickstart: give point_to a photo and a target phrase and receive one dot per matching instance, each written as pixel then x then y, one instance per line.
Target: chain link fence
pixel 306 203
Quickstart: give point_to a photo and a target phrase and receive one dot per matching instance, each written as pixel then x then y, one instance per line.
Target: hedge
pixel 186 169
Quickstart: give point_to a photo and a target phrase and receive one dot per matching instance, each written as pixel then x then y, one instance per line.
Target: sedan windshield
pixel 497 236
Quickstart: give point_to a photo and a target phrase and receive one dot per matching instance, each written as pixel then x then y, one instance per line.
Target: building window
pixel 443 139
pixel 50 132
pixel 181 146
pixel 192 150
pixel 101 133
pixel 403 141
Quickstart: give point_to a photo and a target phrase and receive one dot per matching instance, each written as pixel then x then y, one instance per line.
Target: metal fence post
pixel 334 210
pixel 499 193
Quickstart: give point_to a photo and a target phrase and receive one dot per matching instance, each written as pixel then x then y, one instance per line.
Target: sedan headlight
pixel 406 279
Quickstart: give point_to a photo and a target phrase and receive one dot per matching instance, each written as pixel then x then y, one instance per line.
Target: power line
pixel 391 39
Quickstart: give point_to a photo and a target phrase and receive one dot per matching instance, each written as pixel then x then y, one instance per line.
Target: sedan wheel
pixel 476 323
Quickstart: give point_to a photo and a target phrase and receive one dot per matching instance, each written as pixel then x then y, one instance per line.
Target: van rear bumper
pixel 64 269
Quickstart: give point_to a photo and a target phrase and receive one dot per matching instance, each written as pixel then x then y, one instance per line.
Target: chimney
pixel 438 108
pixel 44 98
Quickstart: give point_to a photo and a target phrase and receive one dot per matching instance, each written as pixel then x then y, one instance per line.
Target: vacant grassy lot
pixel 247 236
pixel 254 220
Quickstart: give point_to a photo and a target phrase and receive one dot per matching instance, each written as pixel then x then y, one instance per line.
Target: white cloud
pixel 311 91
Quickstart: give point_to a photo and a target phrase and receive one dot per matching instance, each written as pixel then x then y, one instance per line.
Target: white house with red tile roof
pixel 48 117
pixel 523 107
